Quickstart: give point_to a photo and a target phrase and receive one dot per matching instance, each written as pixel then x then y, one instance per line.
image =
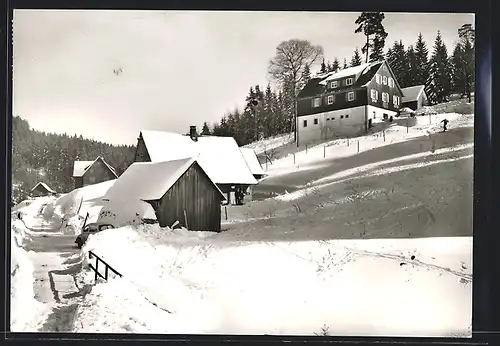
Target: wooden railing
pixel 107 267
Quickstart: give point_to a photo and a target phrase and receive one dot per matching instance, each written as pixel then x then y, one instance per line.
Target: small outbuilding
pixel 42 189
pixel 178 190
pixel 414 97
pixel 92 172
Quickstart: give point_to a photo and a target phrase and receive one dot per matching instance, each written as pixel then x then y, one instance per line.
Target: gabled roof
pixel 45 186
pixel 252 161
pixel 220 157
pixel 412 93
pixel 81 167
pixel 150 180
pixel 362 74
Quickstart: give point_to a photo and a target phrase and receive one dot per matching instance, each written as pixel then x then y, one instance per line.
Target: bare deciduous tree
pixel 287 67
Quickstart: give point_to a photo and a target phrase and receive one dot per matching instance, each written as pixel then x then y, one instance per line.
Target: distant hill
pixel 47 157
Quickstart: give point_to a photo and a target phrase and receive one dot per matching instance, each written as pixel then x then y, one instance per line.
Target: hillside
pixel 47 157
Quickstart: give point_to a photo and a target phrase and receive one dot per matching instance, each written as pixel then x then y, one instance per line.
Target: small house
pixel 42 189
pixel 180 191
pixel 347 102
pixel 414 97
pixel 92 172
pixel 220 157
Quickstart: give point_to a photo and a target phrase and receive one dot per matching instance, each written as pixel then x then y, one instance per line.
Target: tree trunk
pixel 367 47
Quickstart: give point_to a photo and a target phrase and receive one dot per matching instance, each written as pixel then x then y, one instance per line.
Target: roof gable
pixel 412 93
pixel 45 186
pixel 252 161
pixel 220 157
pixel 81 167
pixel 150 180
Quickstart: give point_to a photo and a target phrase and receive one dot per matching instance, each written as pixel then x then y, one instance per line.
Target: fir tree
pixel 205 130
pixel 396 57
pixel 457 66
pixel 438 86
pixel 335 65
pixel 345 63
pixel 323 68
pixel 370 25
pixel 421 60
pixel 412 71
pixel 467 36
pixel 356 58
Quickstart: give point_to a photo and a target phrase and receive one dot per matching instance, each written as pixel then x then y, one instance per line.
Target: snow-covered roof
pixel 45 186
pixel 412 93
pixel 149 180
pixel 220 157
pixel 80 167
pixel 252 161
pixel 350 71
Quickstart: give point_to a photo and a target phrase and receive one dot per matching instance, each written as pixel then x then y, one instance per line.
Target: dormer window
pixel 317 102
pixel 377 78
pixel 334 84
pixel 384 80
pixel 331 99
pixel 348 81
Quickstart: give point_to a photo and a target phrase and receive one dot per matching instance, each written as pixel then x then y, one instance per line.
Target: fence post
pixel 324 151
pixel 96 268
pixel 430 119
pixel 306 148
pixel 358 145
pixel 383 132
pixel 293 158
pixel 347 141
pixel 225 210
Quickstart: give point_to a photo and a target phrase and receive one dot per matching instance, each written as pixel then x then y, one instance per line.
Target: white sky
pixel 179 68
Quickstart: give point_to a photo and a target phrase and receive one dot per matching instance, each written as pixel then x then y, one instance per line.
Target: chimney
pixel 193 134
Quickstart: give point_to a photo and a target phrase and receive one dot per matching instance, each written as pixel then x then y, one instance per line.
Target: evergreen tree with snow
pixel 438 86
pixel 205 130
pixel 334 66
pixel 356 58
pixel 421 57
pixel 412 72
pixel 323 68
pixel 467 36
pixel 396 57
pixel 345 64
pixel 457 67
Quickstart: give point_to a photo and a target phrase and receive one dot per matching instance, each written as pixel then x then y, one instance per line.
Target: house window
pixel 350 96
pixel 317 102
pixel 304 124
pixel 327 119
pixel 347 116
pixel 333 118
pixel 391 82
pixel 384 80
pixel 374 115
pixel 377 78
pixel 334 84
pixel 315 121
pixel 330 99
pixel 395 100
pixel 341 117
pixel 348 81
pixel 385 97
pixel 374 94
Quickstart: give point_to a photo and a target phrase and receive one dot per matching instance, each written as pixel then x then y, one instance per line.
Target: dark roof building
pixel 92 172
pixel 41 189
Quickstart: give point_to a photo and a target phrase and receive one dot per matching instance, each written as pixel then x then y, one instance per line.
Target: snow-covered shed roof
pixel 45 186
pixel 80 167
pixel 220 157
pixel 149 180
pixel 350 71
pixel 252 161
pixel 412 93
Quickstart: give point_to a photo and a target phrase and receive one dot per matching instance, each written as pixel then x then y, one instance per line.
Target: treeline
pixel 46 157
pixel 272 112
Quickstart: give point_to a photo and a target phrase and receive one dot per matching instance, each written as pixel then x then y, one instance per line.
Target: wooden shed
pixel 42 189
pixel 92 172
pixel 178 190
pixel 414 97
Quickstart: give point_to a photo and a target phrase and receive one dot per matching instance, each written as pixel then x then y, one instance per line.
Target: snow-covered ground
pixel 193 282
pixel 313 156
pixel 270 143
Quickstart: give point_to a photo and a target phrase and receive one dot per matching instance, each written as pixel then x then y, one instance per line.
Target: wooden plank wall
pixel 98 173
pixel 195 195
